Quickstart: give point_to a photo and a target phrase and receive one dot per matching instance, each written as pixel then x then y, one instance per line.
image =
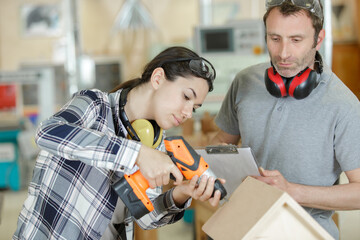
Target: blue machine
pixel 9 160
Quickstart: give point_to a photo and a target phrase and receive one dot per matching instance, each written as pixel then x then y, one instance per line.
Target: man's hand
pixel 274 178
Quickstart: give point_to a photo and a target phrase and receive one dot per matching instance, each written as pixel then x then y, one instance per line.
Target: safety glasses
pixel 311 5
pixel 198 65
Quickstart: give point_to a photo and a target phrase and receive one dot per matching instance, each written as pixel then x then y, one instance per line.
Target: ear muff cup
pixel 274 83
pixel 303 84
pixel 158 134
pixel 299 86
pixel 149 132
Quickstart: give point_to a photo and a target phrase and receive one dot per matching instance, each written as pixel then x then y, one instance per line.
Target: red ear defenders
pixel 299 86
pixel 141 129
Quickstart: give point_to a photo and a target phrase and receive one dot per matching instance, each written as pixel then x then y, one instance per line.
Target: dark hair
pixel 287 9
pixel 172 69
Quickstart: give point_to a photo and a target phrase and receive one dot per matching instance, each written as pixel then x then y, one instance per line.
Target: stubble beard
pixel 300 64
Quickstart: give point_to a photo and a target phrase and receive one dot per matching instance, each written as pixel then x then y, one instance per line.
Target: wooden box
pixel 259 211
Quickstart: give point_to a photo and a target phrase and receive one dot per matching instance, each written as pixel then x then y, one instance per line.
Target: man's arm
pixel 338 197
pixel 223 137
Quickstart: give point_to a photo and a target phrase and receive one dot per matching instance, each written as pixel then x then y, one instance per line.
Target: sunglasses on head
pixel 198 65
pixel 311 5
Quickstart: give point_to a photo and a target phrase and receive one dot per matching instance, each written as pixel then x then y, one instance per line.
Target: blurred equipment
pixel 12 121
pixel 326 49
pixel 230 48
pixel 7 96
pixel 44 79
pixel 108 73
pixel 242 37
pixel 136 31
pixel 102 73
pixel 132 15
pixel 9 160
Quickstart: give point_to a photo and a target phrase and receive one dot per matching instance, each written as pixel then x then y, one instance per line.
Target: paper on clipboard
pixel 233 167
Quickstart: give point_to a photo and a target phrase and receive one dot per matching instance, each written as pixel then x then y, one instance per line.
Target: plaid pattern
pixel 72 199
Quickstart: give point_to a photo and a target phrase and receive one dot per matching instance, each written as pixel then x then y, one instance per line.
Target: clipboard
pixel 231 163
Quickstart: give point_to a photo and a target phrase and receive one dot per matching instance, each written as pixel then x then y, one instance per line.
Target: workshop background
pixel 50 49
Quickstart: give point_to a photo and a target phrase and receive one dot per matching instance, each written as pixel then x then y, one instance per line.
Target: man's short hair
pixel 287 9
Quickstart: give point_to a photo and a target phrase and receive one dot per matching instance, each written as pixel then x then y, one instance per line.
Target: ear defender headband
pixel 142 130
pixel 299 86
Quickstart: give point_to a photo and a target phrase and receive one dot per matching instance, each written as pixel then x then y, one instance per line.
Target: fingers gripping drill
pixel 132 188
pixel 189 162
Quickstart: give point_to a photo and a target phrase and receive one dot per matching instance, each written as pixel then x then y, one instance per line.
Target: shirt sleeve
pixel 165 211
pixel 227 119
pixel 83 130
pixel 346 137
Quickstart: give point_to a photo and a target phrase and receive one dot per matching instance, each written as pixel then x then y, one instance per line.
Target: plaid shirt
pixel 83 152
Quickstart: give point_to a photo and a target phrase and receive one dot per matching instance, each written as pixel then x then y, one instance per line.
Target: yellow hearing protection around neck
pixel 150 134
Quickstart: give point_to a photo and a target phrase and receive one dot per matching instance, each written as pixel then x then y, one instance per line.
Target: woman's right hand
pixel 156 167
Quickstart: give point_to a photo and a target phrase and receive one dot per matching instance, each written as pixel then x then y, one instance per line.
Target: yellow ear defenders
pixel 149 132
pixel 145 131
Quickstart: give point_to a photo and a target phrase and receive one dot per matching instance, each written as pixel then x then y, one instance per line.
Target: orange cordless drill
pixel 132 188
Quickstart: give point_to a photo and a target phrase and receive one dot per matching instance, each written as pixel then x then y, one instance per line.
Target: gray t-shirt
pixel 310 141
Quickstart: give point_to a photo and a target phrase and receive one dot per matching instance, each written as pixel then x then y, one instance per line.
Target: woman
pixel 85 149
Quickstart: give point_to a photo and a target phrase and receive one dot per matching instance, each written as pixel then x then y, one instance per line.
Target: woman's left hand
pixel 200 191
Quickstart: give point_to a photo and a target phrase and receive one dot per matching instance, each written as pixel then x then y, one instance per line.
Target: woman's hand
pixel 200 191
pixel 156 167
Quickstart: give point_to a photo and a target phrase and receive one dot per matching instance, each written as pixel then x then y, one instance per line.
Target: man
pixel 301 121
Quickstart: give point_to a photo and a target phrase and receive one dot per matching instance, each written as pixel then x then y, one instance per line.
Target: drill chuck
pixel 217 185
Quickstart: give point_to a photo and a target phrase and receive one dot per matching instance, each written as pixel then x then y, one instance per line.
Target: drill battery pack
pixel 132 196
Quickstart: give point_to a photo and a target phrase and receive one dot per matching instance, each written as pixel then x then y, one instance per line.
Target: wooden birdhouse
pixel 259 211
